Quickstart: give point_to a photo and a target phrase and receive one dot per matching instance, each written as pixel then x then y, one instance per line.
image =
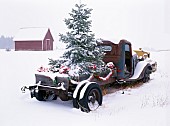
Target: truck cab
pixel 121 55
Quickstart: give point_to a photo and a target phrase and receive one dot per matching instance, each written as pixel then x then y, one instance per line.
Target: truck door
pixel 128 57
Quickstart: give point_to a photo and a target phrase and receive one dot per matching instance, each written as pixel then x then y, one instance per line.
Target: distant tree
pixel 6 42
pixel 82 49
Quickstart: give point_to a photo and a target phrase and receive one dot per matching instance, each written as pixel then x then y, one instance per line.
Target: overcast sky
pixel 145 23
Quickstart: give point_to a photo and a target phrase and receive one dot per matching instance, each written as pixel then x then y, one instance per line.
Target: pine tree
pixel 82 49
pixel 81 44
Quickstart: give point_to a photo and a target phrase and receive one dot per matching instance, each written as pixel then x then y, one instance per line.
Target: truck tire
pixel 75 103
pixel 43 95
pixel 146 77
pixel 76 100
pixel 92 98
pixel 55 97
pixel 40 95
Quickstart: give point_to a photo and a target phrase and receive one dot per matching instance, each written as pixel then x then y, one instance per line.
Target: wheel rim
pixel 93 99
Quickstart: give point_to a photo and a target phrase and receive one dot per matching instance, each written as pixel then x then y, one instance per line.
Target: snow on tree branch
pixel 82 49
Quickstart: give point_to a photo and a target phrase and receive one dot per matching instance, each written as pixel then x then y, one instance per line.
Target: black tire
pixel 92 98
pixel 40 95
pixel 76 100
pixel 75 103
pixel 55 97
pixel 50 95
pixel 146 77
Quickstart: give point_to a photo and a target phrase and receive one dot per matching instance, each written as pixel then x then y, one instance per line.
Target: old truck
pixel 85 90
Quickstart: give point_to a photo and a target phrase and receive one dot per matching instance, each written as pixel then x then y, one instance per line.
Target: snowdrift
pixel 146 105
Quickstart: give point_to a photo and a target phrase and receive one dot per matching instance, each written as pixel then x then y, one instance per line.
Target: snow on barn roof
pixel 30 33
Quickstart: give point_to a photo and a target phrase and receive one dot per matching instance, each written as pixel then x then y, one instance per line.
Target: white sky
pixel 145 23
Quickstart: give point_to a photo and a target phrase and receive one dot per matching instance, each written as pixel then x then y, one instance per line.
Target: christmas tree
pixel 82 49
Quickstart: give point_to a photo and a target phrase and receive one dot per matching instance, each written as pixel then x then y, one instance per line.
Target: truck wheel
pixel 75 103
pixel 146 77
pixel 55 97
pixel 50 95
pixel 92 98
pixel 40 95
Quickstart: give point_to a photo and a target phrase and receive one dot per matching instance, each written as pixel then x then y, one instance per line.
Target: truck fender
pixel 84 89
pixel 79 86
pixel 139 70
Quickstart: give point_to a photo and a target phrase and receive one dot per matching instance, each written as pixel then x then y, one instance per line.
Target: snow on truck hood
pixel 52 75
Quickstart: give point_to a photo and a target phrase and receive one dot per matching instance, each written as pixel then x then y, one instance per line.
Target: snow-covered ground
pixel 146 105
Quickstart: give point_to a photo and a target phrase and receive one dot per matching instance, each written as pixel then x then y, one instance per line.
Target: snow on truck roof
pixel 31 33
pixel 101 41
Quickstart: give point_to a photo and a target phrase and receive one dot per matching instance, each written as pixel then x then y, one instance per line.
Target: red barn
pixel 36 39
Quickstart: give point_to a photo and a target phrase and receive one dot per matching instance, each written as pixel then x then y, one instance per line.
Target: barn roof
pixel 33 33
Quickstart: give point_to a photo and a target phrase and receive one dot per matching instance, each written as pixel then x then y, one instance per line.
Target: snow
pixel 52 75
pixel 31 33
pixel 145 105
pixel 78 87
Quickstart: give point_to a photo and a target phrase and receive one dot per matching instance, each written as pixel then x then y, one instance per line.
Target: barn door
pixel 47 45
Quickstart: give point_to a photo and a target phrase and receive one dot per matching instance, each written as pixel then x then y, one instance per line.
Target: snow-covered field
pixel 146 105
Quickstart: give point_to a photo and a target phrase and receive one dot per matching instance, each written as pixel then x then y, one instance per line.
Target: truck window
pixel 128 57
pixel 107 48
pixel 127 48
